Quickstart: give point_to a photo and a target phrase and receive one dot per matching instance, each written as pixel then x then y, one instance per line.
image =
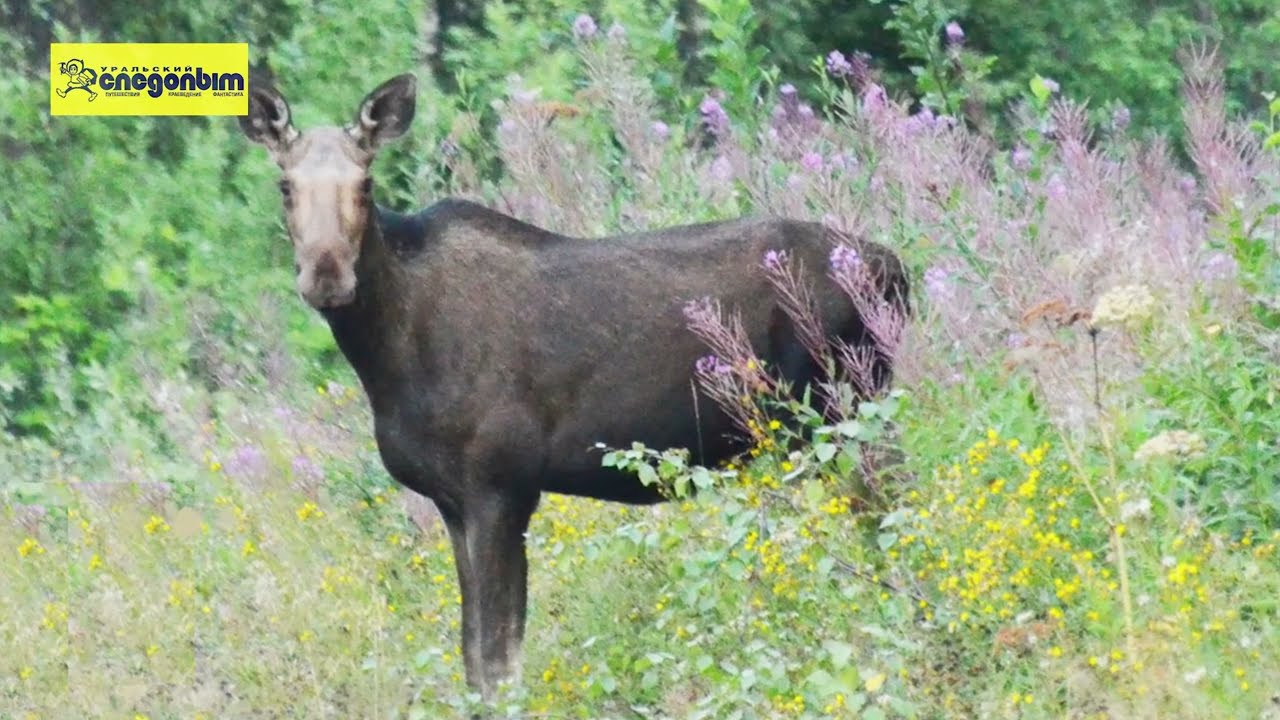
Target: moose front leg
pixel 495 537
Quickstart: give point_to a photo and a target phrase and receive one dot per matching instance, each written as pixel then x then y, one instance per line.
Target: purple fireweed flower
pixel 936 282
pixel 955 33
pixel 1020 158
pixel 712 365
pixel 449 148
pixel 874 98
pixel 721 169
pixel 246 461
pixel 617 32
pixel 805 112
pixel 845 259
pixel 842 161
pixel 1055 188
pixel 838 65
pixel 787 91
pixel 660 130
pixel 1219 266
pixel 1187 184
pixel 854 68
pixel 1120 117
pixel 713 116
pixel 304 468
pixel 775 260
pixel 584 27
pixel 811 161
pixel 1051 85
pixel 921 122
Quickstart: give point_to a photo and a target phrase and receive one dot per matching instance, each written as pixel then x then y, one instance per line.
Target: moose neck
pixel 374 330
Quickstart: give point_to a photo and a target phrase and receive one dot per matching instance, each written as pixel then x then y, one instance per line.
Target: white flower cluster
pixel 1177 444
pixel 1126 306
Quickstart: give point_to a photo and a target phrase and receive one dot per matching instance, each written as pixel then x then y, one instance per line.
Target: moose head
pixel 325 182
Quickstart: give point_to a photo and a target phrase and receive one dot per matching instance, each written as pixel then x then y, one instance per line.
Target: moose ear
pixel 386 113
pixel 268 121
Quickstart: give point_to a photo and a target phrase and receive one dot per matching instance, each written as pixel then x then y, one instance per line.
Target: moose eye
pixel 286 189
pixel 366 186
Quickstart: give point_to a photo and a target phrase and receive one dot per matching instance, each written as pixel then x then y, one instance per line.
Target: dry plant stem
pixel 1117 539
pixel 1097 379
pixel 1122 557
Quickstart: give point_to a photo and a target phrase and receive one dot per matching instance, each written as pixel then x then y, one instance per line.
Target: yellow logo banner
pixel 149 78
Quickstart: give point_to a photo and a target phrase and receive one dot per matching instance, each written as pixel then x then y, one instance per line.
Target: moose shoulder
pixel 496 354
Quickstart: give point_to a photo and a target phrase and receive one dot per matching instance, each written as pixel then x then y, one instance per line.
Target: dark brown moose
pixel 496 355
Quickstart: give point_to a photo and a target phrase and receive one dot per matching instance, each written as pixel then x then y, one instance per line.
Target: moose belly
pixel 660 420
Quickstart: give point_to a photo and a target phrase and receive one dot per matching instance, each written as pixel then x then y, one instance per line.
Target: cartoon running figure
pixel 79 77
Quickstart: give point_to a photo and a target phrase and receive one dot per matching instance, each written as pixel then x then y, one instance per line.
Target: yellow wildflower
pixel 156 524
pixel 28 546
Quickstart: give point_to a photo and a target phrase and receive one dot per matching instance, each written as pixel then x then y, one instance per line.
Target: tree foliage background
pixel 73 269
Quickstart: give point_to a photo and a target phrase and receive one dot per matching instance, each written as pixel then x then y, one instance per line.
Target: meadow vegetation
pixel 1067 506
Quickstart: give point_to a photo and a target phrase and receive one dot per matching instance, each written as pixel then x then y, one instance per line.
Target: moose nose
pixel 327 286
pixel 327 267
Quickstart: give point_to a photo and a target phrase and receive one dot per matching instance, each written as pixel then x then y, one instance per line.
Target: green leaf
pixel 648 475
pixel 886 540
pixel 840 653
pixel 682 486
pixel 821 682
pixel 849 428
pixel 824 452
pixel 847 460
pixel 825 566
pixel 1272 141
pixel 1040 89
pixel 115 277
pixel 814 492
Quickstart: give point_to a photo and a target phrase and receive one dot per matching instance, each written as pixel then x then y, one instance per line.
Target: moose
pixel 496 355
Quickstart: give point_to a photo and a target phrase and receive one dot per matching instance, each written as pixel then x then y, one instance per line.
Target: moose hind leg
pixel 470 593
pixel 496 540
